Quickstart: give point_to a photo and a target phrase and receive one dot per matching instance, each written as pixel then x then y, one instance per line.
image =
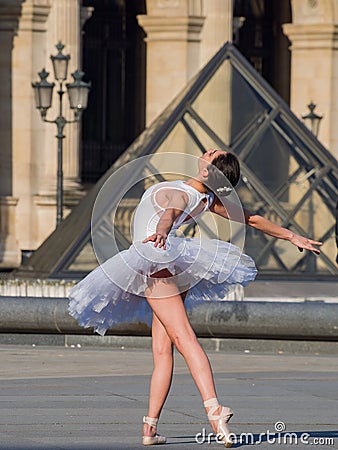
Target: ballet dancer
pixel 165 269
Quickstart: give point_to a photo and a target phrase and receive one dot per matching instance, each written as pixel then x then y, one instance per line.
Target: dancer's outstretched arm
pixel 233 212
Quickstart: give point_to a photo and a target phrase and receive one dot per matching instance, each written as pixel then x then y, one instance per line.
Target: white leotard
pixel 148 212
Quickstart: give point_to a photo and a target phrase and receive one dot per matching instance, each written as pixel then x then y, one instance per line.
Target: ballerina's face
pixel 208 157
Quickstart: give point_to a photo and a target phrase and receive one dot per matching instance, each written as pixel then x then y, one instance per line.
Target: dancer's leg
pixel 161 378
pixel 163 367
pixel 162 373
pixel 167 304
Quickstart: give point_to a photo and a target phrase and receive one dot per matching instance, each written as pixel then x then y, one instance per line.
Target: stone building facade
pixel 158 46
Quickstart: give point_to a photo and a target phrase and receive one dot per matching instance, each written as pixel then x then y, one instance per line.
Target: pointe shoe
pixel 221 420
pixel 152 440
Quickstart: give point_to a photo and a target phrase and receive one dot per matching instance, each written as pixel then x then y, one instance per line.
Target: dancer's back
pixel 155 200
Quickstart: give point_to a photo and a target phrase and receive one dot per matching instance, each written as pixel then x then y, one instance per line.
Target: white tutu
pixel 114 292
pixel 107 296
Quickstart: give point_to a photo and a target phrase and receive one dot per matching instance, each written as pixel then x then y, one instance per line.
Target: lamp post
pixel 313 121
pixel 78 92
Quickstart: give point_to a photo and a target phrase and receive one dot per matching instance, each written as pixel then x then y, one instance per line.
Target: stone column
pixel 9 18
pixel 217 29
pixel 10 255
pixel 314 64
pixel 10 11
pixel 28 128
pixel 64 26
pixel 173 44
pixel 216 32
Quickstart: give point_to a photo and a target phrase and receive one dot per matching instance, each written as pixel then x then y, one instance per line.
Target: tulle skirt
pixel 112 293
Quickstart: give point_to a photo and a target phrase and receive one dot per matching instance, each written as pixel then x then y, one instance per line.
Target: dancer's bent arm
pixel 234 212
pixel 176 202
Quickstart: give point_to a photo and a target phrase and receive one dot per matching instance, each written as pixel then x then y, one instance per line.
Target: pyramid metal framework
pixel 287 175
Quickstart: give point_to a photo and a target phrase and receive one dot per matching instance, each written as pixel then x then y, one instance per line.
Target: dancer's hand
pixel 158 238
pixel 302 242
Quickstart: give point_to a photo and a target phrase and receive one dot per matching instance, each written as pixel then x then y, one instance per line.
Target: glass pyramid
pixel 287 176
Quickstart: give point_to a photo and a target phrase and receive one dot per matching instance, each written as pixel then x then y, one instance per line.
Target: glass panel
pixel 247 106
pixel 180 142
pixel 84 261
pixel 214 102
pixel 228 104
pixel 78 96
pixel 60 66
pixel 269 160
pixel 299 148
pixel 205 141
pixel 45 96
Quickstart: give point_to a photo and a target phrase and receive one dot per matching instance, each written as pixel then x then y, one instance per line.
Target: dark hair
pixel 226 164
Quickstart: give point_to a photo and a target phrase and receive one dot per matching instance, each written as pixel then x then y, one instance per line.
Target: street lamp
pixel 78 97
pixel 313 119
